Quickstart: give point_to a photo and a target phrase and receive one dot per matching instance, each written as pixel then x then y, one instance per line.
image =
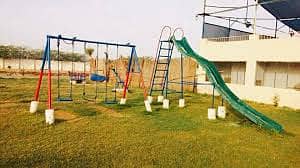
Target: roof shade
pixel 286 10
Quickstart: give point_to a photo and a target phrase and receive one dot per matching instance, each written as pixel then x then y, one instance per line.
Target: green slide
pixel 214 77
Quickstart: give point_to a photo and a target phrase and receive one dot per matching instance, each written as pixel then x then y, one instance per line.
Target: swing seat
pixel 97 78
pixel 111 102
pixel 61 99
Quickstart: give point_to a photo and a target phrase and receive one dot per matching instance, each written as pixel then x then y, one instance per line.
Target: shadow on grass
pixel 288 134
pixel 59 121
pixel 81 109
pixel 148 113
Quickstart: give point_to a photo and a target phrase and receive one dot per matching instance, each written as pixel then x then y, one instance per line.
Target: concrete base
pixel 166 103
pixel 160 99
pixel 49 115
pixel 148 106
pixel 221 112
pixel 181 103
pixel 123 101
pixel 211 113
pixel 33 106
pixel 119 90
pixel 150 99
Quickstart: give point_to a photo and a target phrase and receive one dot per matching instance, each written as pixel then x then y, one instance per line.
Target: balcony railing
pixel 228 39
pixel 240 38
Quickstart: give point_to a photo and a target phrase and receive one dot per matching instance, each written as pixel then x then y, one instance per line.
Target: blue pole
pixel 89 41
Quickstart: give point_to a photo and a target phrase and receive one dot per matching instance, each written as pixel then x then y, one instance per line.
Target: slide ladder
pixel 159 80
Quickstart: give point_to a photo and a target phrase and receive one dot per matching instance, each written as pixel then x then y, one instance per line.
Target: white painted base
pixel 33 106
pixel 221 112
pixel 181 103
pixel 166 103
pixel 211 114
pixel 123 101
pixel 148 106
pixel 49 115
pixel 150 99
pixel 160 99
pixel 119 90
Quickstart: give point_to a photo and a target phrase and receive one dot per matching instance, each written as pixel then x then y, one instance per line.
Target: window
pixel 278 75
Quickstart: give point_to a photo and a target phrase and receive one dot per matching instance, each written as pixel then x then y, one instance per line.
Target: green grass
pixel 165 138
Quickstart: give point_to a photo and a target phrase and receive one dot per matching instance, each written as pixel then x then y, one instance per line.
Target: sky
pixel 27 22
pixel 139 22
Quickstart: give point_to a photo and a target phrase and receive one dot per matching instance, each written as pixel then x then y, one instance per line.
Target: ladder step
pixel 159 77
pixel 165 48
pixel 157 83
pixel 161 70
pixel 157 90
pixel 64 99
pixel 162 63
pixel 165 41
pixel 166 56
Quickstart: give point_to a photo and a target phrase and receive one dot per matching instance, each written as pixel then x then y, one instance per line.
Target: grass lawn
pixel 97 135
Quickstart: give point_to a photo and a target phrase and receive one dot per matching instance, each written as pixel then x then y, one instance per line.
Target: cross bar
pixel 88 41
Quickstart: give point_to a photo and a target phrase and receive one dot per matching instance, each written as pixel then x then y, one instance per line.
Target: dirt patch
pixel 66 116
pixel 108 111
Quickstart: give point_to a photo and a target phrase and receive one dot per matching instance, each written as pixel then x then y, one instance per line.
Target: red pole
pixel 49 90
pixel 126 84
pixel 38 87
pixel 37 91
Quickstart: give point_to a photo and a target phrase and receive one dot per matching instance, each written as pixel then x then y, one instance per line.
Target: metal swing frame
pixel 46 60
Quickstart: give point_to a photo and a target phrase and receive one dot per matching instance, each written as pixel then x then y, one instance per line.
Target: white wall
pixel 1 63
pixel 281 50
pixel 253 51
pixel 288 97
pixel 34 65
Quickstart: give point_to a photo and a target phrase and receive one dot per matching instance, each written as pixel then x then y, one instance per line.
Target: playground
pixel 85 101
pixel 89 134
pixel 90 121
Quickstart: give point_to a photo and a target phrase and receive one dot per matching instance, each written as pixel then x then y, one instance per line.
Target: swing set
pixel 98 77
pixel 132 67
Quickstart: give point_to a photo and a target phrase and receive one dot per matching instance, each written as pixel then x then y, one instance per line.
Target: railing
pixel 266 37
pixel 228 39
pixel 240 38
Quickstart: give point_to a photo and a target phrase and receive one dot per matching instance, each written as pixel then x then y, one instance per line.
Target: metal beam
pixel 88 41
pixel 241 7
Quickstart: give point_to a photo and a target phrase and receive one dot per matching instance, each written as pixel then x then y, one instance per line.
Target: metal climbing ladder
pixel 159 80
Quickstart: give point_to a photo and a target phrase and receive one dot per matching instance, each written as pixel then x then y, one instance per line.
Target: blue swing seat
pixel 97 78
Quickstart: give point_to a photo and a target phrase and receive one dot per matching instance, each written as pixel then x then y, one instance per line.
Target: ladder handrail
pixel 178 29
pixel 158 49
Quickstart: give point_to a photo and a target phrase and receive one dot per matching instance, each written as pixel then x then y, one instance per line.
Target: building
pixel 256 67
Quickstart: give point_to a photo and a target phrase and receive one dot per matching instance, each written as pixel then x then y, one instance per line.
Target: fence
pixel 33 65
